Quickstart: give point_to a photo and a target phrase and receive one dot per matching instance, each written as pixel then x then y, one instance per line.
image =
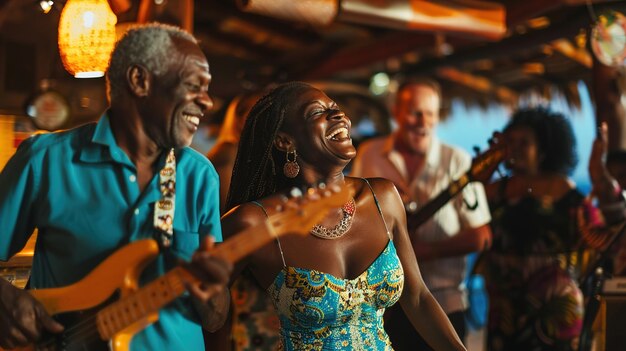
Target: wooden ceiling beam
pixel 218 10
pixel 381 49
pixel 567 49
pixel 513 45
pixel 393 45
pixel 240 44
pixel 476 18
pixel 477 83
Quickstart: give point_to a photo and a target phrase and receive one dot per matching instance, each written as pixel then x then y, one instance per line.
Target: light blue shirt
pixel 80 190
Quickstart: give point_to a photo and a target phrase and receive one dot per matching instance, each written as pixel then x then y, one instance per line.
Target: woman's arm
pixel 417 302
pixel 233 222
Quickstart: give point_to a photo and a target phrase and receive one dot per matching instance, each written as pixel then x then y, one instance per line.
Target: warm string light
pixel 46 5
pixel 86 37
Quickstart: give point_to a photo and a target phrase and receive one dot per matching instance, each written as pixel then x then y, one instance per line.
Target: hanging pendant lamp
pixel 86 37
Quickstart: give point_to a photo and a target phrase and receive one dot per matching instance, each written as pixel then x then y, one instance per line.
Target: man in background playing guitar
pixel 95 188
pixel 421 167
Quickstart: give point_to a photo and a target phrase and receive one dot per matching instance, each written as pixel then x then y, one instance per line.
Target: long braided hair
pixel 257 170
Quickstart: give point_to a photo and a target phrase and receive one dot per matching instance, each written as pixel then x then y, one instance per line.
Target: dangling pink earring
pixel 291 167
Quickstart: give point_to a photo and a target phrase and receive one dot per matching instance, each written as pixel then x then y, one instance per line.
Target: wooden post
pixel 608 89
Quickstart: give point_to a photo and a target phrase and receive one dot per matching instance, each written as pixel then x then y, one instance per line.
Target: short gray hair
pixel 150 46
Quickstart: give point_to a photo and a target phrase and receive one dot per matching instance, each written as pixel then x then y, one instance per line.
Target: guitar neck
pixel 439 201
pixel 157 294
pixel 246 242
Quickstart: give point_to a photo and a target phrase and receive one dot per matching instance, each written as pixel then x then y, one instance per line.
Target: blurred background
pixel 490 56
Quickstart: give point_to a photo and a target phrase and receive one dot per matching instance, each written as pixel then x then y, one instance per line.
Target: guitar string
pixel 90 335
pixel 88 327
pixel 89 324
pixel 85 325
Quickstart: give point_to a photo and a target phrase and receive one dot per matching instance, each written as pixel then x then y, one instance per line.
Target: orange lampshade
pixel 86 37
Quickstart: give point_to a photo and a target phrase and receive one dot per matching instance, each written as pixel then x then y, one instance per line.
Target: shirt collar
pixel 432 157
pixel 102 147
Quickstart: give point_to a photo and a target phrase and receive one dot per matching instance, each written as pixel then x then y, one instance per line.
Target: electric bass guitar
pixel 481 169
pixel 107 307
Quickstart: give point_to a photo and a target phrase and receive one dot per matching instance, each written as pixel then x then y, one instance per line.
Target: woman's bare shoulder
pixel 384 190
pixel 241 217
pixel 379 185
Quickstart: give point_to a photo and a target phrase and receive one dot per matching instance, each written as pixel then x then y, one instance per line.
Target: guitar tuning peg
pixel 282 201
pixel 295 192
pixel 313 193
pixel 497 137
pixel 322 189
pixel 476 150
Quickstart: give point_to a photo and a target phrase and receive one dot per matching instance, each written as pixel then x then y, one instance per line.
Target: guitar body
pixel 117 276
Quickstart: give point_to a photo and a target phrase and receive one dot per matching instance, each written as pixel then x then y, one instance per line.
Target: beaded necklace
pixel 348 209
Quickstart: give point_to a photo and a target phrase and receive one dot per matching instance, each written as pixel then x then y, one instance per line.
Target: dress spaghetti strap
pixel 280 248
pixel 378 207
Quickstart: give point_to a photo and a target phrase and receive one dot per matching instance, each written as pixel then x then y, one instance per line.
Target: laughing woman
pixel 330 288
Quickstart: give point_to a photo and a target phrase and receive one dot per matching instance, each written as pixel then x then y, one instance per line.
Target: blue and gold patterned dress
pixel 318 311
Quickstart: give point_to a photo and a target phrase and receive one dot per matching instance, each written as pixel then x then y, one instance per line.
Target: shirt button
pixel 132 178
pixel 136 211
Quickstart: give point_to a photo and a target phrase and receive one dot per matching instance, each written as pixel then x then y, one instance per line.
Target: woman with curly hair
pixel 534 300
pixel 331 287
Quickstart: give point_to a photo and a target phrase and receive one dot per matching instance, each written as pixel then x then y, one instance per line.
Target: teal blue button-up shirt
pixel 79 189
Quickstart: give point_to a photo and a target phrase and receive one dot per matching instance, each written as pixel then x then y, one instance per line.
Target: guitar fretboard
pixel 140 304
pixel 163 290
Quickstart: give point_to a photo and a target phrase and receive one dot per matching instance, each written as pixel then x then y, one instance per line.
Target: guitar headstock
pixel 298 214
pixel 487 162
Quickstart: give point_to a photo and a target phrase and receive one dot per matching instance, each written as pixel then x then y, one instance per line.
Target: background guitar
pixel 481 169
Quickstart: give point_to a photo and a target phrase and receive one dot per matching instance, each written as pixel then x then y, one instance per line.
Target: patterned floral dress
pixel 534 300
pixel 319 311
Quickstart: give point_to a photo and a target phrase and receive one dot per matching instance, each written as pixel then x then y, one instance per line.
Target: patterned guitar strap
pixel 164 208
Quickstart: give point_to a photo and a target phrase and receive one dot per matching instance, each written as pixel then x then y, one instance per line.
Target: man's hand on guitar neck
pixel 211 297
pixel 23 319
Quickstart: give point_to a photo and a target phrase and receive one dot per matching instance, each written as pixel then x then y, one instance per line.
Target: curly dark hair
pixel 256 173
pixel 554 134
